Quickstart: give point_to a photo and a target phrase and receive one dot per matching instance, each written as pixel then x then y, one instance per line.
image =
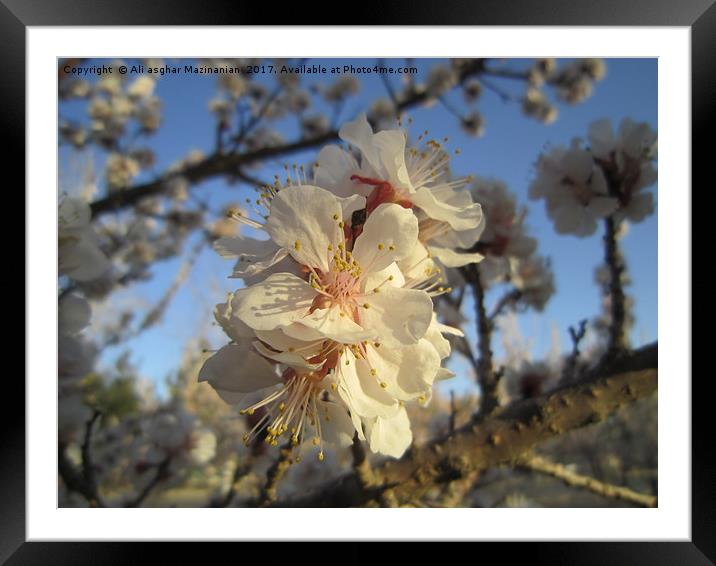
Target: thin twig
pixel 87 465
pixel 570 366
pixel 545 466
pixel 508 299
pixel 453 412
pixel 388 86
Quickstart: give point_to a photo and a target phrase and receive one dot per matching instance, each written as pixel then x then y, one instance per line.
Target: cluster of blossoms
pixel 81 260
pixel 116 106
pixel 510 253
pixel 239 96
pixel 335 328
pixel 582 185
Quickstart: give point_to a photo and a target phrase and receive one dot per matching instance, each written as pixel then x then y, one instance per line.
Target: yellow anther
pixel 341 246
pixel 376 290
pixel 342 314
pixel 321 456
pixel 391 247
pixel 298 459
pixel 380 246
pixel 294 439
pixel 316 441
pixel 250 411
pixel 373 372
pixel 341 224
pixel 282 408
pixel 422 399
pixel 297 245
pixel 366 306
pixel 336 217
pixel 390 277
pixel 348 362
pixel 376 344
pixel 330 248
pixel 383 384
pixel 334 386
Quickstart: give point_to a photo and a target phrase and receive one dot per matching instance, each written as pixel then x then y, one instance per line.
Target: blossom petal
pixel 452 258
pixel 290 359
pixel 278 301
pixel 458 217
pixel 329 323
pixel 304 220
pixel 407 372
pixel 389 234
pixel 230 324
pixel 253 255
pixel 236 370
pixel 282 340
pixel 391 436
pixel 382 277
pixel 334 166
pixel 601 139
pixel 395 316
pixel 336 426
pixel 360 390
pixel 383 152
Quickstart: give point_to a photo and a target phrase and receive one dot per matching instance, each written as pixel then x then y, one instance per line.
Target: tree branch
pixel 618 340
pixel 486 374
pixel 159 476
pixel 502 437
pixel 241 470
pixel 545 466
pixel 82 482
pixel 274 475
pixel 227 163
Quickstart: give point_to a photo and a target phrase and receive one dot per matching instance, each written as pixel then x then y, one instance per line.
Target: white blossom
pixel 78 251
pixel 574 189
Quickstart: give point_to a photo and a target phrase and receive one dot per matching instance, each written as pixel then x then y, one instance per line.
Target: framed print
pixel 399 280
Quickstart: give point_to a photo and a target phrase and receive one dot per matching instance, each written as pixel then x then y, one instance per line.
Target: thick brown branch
pixel 544 466
pixel 501 438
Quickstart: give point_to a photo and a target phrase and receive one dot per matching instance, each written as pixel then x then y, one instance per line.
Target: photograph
pixel 357 282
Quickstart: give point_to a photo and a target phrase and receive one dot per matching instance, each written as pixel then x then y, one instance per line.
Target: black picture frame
pixel 699 15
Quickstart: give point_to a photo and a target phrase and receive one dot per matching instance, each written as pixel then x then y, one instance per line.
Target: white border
pixel 670 521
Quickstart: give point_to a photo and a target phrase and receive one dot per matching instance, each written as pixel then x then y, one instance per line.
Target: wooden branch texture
pixel 501 438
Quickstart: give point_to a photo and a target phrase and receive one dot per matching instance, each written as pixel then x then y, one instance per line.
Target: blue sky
pixel 507 151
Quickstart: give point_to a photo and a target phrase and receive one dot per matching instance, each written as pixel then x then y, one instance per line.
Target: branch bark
pixel 275 474
pixel 501 438
pixel 486 374
pixel 618 340
pixel 545 466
